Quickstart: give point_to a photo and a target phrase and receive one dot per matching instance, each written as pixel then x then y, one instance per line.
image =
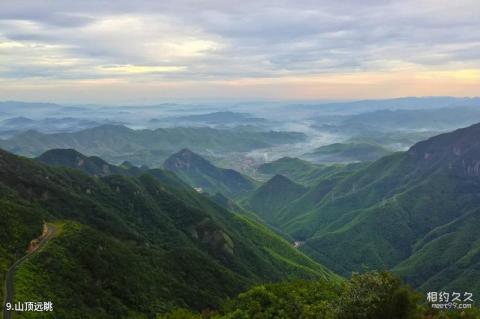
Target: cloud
pixel 214 40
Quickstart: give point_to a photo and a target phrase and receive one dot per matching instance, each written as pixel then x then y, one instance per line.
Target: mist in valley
pixel 339 132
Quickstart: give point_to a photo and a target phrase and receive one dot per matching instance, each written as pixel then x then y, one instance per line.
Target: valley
pixel 205 212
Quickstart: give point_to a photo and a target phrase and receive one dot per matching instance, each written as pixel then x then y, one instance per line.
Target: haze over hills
pixel 347 153
pixel 398 129
pixel 162 241
pixel 403 103
pixel 397 212
pixel 303 172
pixel 402 120
pixel 16 125
pixel 223 118
pixel 149 147
pixel 201 174
pixel 284 220
pixel 438 119
pixel 407 119
pixel 255 160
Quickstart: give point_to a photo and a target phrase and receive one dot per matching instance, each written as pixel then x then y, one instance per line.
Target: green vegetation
pixel 347 152
pixel 396 140
pixel 20 222
pixel 414 212
pixel 303 172
pixel 202 175
pixel 146 147
pixel 133 246
pixel 368 296
pixel 269 199
pixel 91 165
pixel 95 166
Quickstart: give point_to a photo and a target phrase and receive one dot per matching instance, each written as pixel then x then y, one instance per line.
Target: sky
pixel 125 51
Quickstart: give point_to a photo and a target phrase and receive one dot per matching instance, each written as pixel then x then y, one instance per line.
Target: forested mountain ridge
pixel 92 165
pixel 398 213
pixel 270 198
pixel 95 166
pixel 201 174
pixel 304 172
pixel 117 143
pixel 169 248
pixel 347 153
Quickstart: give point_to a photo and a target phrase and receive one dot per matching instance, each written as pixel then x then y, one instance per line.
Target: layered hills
pixel 130 246
pixel 347 152
pixel 415 212
pixel 116 143
pixel 204 176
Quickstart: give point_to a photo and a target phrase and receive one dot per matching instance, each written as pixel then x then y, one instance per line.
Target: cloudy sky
pixel 149 51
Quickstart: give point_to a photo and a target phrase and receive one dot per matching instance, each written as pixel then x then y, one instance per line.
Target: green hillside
pixel 205 177
pixel 116 144
pixel 95 166
pixel 347 152
pixel 270 198
pixel 91 165
pixel 373 295
pixel 132 246
pixel 304 172
pixel 414 212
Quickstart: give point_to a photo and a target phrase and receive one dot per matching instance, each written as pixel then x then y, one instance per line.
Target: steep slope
pixel 269 199
pixel 304 172
pixel 347 152
pixel 116 143
pixel 169 248
pixel 91 165
pixel 204 176
pixel 398 211
pixel 95 166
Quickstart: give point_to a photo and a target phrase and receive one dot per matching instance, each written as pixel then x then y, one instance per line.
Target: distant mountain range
pixel 130 241
pixel 16 125
pixel 226 118
pixel 390 120
pixel 13 105
pixel 147 147
pixel 404 103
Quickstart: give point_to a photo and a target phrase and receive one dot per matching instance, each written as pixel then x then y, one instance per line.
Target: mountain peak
pixel 92 165
pixel 60 153
pixel 270 198
pixel 279 178
pixel 458 150
pixel 186 152
pixel 185 159
pixel 280 182
pixel 200 173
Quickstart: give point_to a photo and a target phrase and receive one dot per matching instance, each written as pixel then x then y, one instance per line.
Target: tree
pixel 378 295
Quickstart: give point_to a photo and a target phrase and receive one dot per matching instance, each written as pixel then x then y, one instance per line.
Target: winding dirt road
pixel 9 288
